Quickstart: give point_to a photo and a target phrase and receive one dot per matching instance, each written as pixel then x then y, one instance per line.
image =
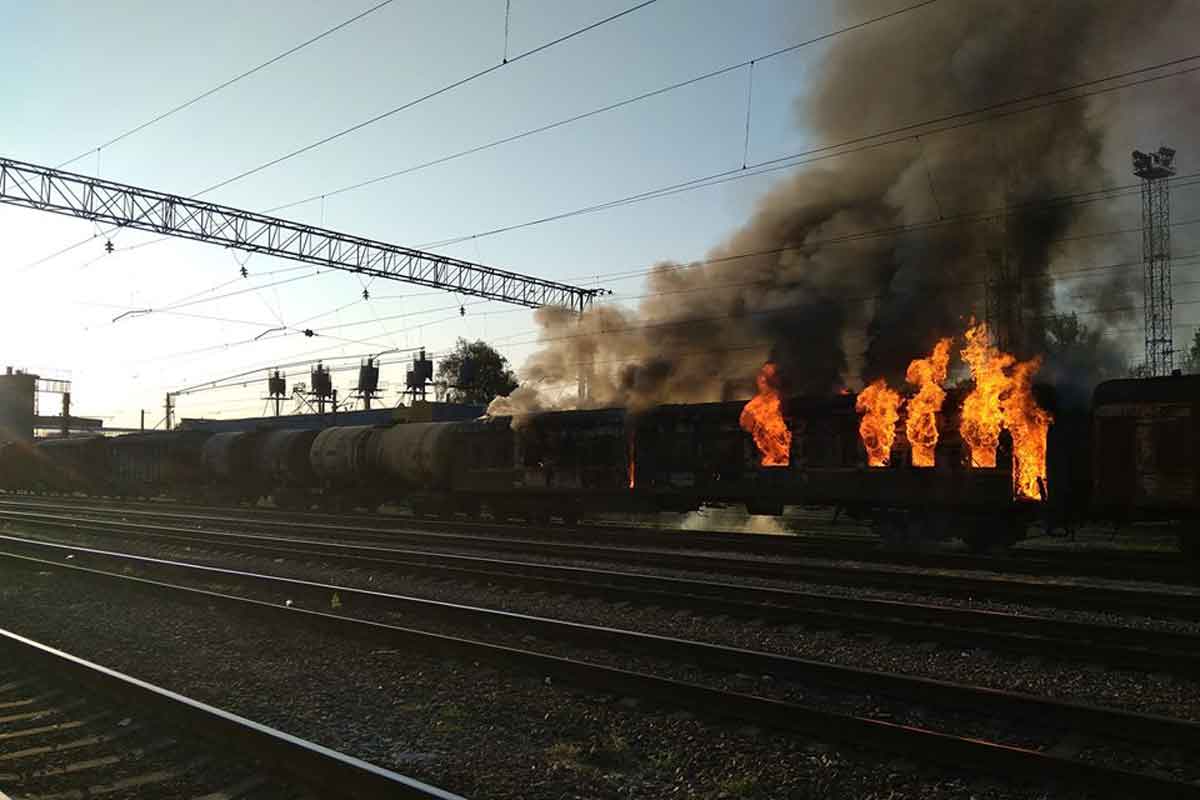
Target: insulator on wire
pixel 108 246
pixel 245 272
pixel 366 295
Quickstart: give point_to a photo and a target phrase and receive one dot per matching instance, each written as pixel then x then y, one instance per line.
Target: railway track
pixel 1039 739
pixel 73 729
pixel 327 539
pixel 1116 646
pixel 822 542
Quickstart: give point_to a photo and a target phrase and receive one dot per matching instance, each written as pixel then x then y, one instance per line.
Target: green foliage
pixel 492 377
pixel 1078 354
pixel 1191 360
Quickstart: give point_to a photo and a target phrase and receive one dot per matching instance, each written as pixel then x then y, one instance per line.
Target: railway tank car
pixel 1134 455
pixel 229 461
pixel 284 465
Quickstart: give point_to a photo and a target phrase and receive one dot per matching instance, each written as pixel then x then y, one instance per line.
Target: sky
pixel 76 75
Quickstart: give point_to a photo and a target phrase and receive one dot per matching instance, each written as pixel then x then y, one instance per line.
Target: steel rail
pixel 1085 597
pixel 814 543
pixel 1160 730
pixel 333 774
pixel 1109 644
pixel 946 748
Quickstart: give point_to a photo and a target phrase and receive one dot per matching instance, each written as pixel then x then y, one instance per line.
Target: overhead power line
pixel 429 96
pixel 353 128
pixel 226 84
pixel 603 109
pixel 983 215
pixel 898 134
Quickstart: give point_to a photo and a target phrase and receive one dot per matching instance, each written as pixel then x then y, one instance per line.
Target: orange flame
pixel 880 409
pixel 762 418
pixel 632 452
pixel 1003 397
pixel 1029 424
pixel 921 426
pixel 981 413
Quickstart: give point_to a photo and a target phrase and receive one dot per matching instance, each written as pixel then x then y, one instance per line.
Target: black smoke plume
pixel 863 261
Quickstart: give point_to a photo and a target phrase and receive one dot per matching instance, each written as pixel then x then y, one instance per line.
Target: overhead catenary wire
pixel 662 90
pixel 800 158
pixel 1099 234
pixel 982 215
pixel 359 126
pixel 423 98
pixel 898 134
pixel 223 85
pixel 1090 196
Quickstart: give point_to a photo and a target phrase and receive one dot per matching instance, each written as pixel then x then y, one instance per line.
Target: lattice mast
pixel 1155 170
pixel 58 192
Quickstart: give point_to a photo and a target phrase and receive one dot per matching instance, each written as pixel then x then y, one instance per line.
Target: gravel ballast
pixel 1145 691
pixel 460 725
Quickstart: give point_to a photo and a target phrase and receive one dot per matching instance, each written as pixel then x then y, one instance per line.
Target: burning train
pixel 982 460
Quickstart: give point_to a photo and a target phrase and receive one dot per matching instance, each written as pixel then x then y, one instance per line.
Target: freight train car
pixel 74 465
pixel 1135 455
pixel 1146 452
pixel 150 464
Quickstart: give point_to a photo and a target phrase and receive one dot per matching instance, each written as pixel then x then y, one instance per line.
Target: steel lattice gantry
pixel 1155 170
pixel 53 190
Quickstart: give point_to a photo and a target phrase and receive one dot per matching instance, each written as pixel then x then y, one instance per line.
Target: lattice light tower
pixel 1155 170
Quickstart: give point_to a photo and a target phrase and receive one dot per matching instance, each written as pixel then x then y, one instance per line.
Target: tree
pixel 1078 357
pixel 1191 361
pixel 475 373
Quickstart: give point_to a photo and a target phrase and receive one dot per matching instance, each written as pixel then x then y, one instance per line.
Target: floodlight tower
pixel 1155 170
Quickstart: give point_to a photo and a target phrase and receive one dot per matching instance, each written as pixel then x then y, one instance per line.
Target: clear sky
pixel 76 74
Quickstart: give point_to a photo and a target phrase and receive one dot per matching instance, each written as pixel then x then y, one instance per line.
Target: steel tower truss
pixel 1155 170
pixel 71 194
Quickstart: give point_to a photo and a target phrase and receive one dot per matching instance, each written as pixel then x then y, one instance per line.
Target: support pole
pixel 1155 170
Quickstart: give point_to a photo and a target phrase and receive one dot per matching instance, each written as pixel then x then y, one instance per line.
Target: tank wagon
pixel 1135 455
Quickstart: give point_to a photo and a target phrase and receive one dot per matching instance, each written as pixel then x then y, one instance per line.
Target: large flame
pixel 880 409
pixel 1003 398
pixel 923 407
pixel 982 417
pixel 762 418
pixel 1029 424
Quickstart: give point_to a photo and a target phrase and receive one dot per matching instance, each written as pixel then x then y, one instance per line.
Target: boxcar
pixel 1145 448
pixel 75 464
pixel 153 463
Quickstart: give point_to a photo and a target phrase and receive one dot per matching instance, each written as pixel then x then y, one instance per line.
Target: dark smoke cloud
pixel 833 303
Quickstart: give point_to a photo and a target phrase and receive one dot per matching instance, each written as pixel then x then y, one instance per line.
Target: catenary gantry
pixel 71 194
